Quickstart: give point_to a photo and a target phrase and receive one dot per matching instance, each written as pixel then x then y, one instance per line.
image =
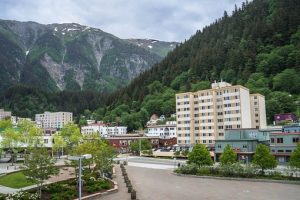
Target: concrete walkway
pixel 122 192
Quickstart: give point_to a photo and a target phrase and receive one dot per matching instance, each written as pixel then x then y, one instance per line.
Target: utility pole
pixel 79 184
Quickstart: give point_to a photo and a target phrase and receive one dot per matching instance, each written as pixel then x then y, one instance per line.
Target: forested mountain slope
pixel 257 46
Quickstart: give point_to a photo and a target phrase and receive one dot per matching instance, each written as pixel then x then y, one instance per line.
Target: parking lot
pixel 161 184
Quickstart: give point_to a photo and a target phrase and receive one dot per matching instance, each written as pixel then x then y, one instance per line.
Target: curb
pixel 239 179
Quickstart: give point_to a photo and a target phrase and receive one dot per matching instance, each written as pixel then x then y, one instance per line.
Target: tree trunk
pixel 12 158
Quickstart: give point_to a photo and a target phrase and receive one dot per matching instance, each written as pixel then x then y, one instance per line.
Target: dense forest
pixel 25 101
pixel 257 45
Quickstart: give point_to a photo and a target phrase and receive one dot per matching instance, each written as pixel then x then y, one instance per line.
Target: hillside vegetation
pixel 257 46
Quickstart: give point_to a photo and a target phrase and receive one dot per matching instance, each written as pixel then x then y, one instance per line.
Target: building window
pixel 279 140
pixel 219 146
pixel 209 141
pixel 295 140
pixel 221 134
pixel 280 151
pixel 204 141
pixel 272 140
pixel 46 141
pixel 244 146
pixel 288 151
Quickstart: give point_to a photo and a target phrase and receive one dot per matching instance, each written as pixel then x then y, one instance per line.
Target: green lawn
pixel 15 180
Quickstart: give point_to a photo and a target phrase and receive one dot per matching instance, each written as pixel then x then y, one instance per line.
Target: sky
pixel 166 20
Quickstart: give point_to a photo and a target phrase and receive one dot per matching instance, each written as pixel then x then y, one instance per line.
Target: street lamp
pixel 79 158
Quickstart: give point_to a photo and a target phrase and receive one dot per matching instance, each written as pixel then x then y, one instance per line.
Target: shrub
pixel 67 195
pixel 21 195
pixel 188 169
pixel 105 184
pixel 204 171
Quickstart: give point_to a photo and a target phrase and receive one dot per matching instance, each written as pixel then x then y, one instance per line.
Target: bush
pixel 188 169
pixel 105 184
pixel 67 195
pixel 21 195
pixel 204 171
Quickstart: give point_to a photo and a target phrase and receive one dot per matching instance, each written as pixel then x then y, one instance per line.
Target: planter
pixel 133 194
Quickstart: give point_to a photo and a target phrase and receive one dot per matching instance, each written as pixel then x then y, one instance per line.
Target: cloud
pixel 168 20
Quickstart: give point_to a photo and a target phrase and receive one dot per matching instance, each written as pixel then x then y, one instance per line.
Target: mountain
pixel 160 48
pixel 68 56
pixel 257 46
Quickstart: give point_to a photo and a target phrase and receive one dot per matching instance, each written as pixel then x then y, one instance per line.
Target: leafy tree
pixel 103 158
pixel 202 85
pixel 200 156
pixel 5 124
pixel 11 140
pixel 295 158
pixel 39 167
pixel 263 158
pixel 32 134
pixel 71 135
pixel 279 102
pixel 145 145
pixel 58 144
pixel 288 80
pixel 229 156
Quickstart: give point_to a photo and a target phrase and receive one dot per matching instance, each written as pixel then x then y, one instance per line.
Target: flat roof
pixel 163 125
pixel 239 140
pixel 128 138
pixel 285 133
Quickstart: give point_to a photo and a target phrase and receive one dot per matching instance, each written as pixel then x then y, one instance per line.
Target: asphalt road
pixel 161 184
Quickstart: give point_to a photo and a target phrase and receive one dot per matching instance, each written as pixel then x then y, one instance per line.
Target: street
pixel 161 184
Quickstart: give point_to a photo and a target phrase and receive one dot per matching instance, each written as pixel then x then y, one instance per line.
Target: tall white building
pixel 103 129
pixel 53 120
pixel 165 131
pixel 203 116
pixel 4 114
pixel 258 111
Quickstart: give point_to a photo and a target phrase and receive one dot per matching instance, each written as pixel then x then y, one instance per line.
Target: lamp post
pixel 79 158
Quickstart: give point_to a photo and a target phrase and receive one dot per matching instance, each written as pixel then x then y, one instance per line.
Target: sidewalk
pixel 122 189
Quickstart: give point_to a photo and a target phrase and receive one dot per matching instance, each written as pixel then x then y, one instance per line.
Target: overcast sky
pixel 167 20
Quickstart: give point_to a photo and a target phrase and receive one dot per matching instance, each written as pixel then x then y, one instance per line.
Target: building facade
pixel 4 114
pixel 285 118
pixel 243 142
pixel 282 144
pixel 258 111
pixel 122 142
pixel 203 116
pixel 53 120
pixel 103 129
pixel 165 131
pixel 281 141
